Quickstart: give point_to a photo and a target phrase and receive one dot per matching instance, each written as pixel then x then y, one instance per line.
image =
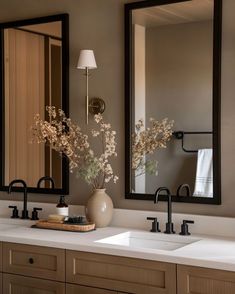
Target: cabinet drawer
pixel 14 284
pixel 120 273
pixel 204 281
pixel 75 289
pixel 34 261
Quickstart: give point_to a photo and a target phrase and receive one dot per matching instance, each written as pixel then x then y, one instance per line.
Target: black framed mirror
pixel 34 63
pixel 173 71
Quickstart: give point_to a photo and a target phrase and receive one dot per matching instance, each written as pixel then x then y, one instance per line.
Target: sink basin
pixel 147 240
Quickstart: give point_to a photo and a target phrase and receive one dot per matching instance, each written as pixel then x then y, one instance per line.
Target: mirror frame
pixel 216 124
pixel 64 18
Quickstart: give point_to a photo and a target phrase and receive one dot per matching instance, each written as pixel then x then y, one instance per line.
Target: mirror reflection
pixel 172 77
pixel 32 80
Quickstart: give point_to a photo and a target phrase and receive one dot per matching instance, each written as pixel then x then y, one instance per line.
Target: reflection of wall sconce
pixel 87 61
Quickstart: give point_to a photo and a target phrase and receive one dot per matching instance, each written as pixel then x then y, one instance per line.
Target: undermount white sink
pixel 147 240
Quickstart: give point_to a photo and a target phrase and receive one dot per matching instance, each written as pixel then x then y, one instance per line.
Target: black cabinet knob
pixel 31 260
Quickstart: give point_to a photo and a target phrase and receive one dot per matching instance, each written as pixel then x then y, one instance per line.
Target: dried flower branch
pixel 97 170
pixel 147 141
pixel 65 137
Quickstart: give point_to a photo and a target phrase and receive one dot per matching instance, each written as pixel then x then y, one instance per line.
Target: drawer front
pixel 75 289
pixel 120 274
pixel 198 280
pixel 14 284
pixel 34 261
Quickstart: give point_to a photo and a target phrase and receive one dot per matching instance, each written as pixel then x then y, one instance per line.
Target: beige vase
pixel 99 208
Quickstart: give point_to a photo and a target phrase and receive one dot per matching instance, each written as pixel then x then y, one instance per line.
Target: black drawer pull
pixel 31 261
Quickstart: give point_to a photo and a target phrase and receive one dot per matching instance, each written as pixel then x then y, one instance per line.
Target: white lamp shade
pixel 86 60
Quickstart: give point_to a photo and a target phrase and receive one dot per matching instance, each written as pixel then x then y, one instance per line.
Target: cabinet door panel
pixel 198 280
pixel 77 289
pixel 14 284
pixel 120 273
pixel 34 261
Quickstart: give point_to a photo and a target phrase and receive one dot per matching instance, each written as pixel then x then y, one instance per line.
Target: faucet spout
pixel 23 183
pixel 169 224
pixel 46 178
pixel 181 187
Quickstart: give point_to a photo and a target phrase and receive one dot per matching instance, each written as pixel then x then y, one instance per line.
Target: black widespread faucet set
pixel 25 213
pixel 155 223
pixel 169 224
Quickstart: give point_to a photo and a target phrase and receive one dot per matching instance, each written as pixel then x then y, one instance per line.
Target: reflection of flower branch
pixel 146 141
pixel 66 137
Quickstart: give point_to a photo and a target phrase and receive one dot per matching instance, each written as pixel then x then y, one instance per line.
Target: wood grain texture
pixel 120 273
pixel 25 92
pixel 0 256
pixel 196 280
pixel 34 261
pixel 75 289
pixel 1 284
pixel 14 284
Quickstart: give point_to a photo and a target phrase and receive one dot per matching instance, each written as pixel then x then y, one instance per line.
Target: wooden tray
pixel 44 224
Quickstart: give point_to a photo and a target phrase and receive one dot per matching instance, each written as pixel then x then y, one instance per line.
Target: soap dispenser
pixel 62 208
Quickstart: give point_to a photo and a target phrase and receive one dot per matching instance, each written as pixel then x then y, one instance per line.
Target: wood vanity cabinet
pixel 1 283
pixel 121 274
pixel 198 280
pixel 28 269
pixel 1 268
pixel 34 261
pixel 76 289
pixel 16 284
pixel 31 269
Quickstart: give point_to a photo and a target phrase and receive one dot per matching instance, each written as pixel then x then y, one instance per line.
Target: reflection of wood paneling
pixel 24 96
pixel 56 95
pixel 53 161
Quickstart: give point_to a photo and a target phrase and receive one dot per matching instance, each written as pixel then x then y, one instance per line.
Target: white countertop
pixel 210 251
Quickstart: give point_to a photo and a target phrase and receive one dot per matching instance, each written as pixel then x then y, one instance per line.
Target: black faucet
pixel 25 214
pixel 169 224
pixel 46 178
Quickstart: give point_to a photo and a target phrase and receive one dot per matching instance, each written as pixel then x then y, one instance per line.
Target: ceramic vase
pixel 99 208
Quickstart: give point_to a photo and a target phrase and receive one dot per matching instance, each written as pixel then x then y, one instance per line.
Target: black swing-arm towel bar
pixel 179 135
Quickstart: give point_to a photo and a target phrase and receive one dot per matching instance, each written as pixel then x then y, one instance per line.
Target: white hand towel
pixel 204 176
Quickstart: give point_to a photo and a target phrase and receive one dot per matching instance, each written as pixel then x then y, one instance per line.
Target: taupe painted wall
pixel 179 78
pixel 98 25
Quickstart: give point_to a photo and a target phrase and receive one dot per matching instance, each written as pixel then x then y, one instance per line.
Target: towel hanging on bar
pixel 204 174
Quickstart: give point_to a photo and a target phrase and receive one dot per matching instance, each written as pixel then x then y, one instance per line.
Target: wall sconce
pixel 87 61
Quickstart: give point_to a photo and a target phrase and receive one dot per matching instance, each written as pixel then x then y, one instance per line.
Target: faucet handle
pixel 184 227
pixel 155 224
pixel 35 213
pixel 15 212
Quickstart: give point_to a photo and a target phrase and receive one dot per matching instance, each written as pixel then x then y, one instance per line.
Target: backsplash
pixel 208 225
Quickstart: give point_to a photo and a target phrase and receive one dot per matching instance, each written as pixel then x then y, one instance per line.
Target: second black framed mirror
pixel 173 71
